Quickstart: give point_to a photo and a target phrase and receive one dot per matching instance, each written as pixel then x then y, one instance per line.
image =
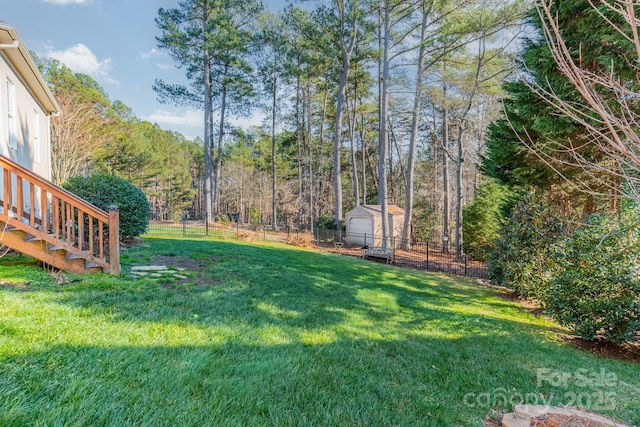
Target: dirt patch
pixel 181 262
pixel 301 240
pixel 195 269
pixel 552 420
pixel 15 286
pixel 557 420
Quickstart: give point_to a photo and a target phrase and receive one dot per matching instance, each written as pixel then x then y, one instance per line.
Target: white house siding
pixel 26 108
pixel 26 105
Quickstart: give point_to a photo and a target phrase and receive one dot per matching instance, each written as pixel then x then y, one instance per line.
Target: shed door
pixel 359 230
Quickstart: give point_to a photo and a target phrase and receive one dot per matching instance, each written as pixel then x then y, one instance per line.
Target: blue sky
pixel 114 42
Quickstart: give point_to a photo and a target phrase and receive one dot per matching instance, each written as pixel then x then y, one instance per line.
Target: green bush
pixel 254 218
pixel 104 190
pixel 596 288
pixel 425 220
pixel 483 219
pixel 521 259
pixel 326 222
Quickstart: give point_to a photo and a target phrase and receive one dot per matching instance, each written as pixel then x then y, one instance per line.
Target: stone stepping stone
pixel 156 271
pixel 149 268
pixel 524 414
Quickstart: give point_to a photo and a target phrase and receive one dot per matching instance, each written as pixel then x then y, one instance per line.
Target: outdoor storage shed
pixel 364 224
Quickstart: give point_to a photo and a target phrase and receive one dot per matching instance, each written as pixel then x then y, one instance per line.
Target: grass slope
pixel 265 334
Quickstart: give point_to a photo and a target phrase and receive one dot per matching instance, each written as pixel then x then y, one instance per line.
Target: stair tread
pixel 73 255
pixel 91 264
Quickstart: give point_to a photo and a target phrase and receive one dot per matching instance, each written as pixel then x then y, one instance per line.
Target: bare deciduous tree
pixel 607 108
pixel 76 134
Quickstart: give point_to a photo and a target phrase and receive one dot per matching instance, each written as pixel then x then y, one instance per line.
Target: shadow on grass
pixel 266 284
pixel 298 289
pixel 424 382
pixel 283 337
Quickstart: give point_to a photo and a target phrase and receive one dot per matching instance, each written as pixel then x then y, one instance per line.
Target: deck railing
pixel 53 214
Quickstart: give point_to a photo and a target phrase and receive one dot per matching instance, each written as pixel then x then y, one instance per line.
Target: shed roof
pixel 23 64
pixel 377 209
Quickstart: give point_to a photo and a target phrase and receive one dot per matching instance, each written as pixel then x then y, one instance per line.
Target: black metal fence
pixel 197 228
pixel 429 256
pixel 438 256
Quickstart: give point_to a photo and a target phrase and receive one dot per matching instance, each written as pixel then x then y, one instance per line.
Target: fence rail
pixel 428 256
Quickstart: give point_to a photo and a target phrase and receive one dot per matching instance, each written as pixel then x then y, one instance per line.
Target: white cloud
pixel 80 59
pixel 65 2
pixel 188 118
pixel 158 54
pixel 150 54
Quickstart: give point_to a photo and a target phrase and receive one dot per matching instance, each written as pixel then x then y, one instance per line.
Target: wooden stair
pixel 54 226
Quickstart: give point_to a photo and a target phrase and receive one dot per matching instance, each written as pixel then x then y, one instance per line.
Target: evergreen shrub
pixel 483 219
pixel 521 259
pixel 596 288
pixel 327 222
pixel 104 190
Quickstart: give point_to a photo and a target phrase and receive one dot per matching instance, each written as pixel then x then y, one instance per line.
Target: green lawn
pixel 272 335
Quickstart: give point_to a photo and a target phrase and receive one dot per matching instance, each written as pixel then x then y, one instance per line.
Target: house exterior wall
pixel 32 147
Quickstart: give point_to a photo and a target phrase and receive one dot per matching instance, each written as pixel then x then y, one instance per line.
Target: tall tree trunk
pixel 415 122
pixel 223 110
pixel 363 148
pixel 352 151
pixel 208 140
pixel 346 51
pixel 337 145
pixel 458 164
pixel 391 189
pixel 274 189
pixel 445 170
pixel 306 115
pixel 300 167
pixel 383 135
pixel 320 178
pixel 208 116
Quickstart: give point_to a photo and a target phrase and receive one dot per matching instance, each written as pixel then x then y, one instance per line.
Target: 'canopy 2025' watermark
pixel 593 390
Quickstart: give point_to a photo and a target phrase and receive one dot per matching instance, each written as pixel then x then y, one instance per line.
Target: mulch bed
pixel 606 350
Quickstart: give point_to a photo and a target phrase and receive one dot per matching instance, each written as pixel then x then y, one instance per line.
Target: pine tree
pixel 528 146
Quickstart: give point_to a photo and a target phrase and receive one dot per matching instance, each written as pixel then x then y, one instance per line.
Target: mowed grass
pixel 270 335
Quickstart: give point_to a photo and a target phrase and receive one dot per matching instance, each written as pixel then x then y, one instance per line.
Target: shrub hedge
pixel 587 279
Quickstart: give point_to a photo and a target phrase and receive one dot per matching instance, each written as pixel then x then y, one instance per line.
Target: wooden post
pixel 114 240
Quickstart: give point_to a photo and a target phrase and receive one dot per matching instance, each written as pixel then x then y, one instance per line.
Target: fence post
pixel 465 264
pixel 206 224
pixel 393 246
pixel 365 239
pixel 238 230
pixel 114 240
pixel 426 249
pixel 184 226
